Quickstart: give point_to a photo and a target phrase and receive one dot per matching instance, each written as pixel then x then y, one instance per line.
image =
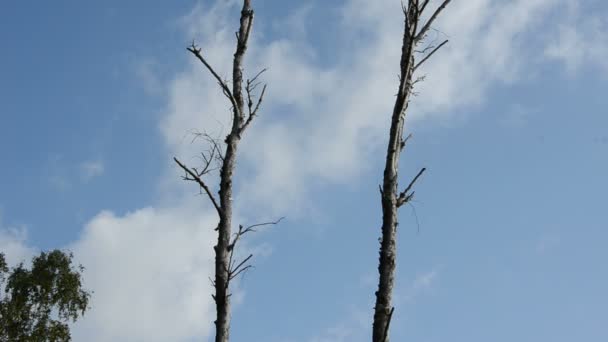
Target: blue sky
pixel 504 241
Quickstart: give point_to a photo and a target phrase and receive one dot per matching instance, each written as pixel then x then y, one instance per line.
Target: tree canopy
pixel 37 304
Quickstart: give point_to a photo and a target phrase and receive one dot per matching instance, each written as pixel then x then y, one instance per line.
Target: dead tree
pixel 413 36
pixel 245 106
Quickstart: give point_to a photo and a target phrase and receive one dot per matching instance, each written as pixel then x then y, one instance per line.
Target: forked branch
pixel 236 270
pixel 253 110
pixel 405 196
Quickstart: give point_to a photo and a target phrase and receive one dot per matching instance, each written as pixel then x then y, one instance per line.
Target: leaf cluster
pixel 37 304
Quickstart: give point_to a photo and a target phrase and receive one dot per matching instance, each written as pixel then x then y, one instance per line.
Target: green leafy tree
pixel 37 304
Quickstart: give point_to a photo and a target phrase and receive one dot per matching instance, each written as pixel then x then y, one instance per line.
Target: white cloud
pixel 13 243
pixel 149 271
pixel 581 41
pixel 91 169
pixel 320 123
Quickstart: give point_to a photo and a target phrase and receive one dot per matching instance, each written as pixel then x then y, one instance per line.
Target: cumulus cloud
pixel 321 121
pixel 319 124
pixel 149 270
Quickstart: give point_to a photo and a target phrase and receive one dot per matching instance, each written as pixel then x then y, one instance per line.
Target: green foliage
pixel 38 304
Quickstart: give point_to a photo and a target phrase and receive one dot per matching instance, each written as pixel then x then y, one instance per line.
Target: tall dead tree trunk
pixel 392 199
pixel 244 109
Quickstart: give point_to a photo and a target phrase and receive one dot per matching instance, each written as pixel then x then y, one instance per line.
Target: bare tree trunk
pixel 226 268
pixel 391 198
pixel 222 259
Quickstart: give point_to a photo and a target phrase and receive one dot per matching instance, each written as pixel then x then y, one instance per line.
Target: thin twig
pixel 430 54
pixel 235 271
pixel 263 224
pixel 426 2
pixel 252 113
pixel 197 52
pixel 241 271
pixel 201 183
pixel 242 231
pixel 405 195
pixel 428 24
pixel 404 141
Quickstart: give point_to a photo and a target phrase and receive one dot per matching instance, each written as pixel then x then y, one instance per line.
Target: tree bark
pixel 388 246
pixel 226 268
pixel 390 197
pixel 222 255
pixel 222 249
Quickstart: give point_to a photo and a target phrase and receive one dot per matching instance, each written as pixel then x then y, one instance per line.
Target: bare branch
pixel 405 195
pixel 215 151
pixel 200 182
pixel 240 271
pixel 258 75
pixel 253 110
pixel 263 224
pixel 428 24
pixel 234 271
pixel 404 141
pixel 426 2
pixel 196 51
pixel 426 49
pixel 430 54
pixel 242 231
